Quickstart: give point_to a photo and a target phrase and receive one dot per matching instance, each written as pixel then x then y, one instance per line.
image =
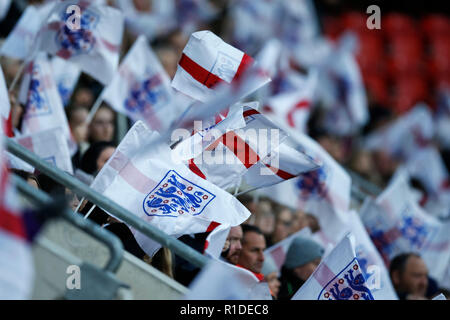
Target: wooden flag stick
pixel 17 76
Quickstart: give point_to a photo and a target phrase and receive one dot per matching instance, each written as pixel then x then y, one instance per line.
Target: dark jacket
pixel 290 283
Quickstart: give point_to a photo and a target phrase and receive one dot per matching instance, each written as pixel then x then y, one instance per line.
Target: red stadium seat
pixel 435 25
pixel 398 24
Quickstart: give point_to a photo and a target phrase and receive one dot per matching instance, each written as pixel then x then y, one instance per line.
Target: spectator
pixel 265 218
pixel 271 273
pixel 96 156
pixel 302 258
pixel 233 245
pixel 283 224
pixel 252 253
pixel 299 221
pixel 102 126
pixel 409 275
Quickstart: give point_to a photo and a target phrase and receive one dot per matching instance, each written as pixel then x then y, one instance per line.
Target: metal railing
pixel 113 243
pixel 106 204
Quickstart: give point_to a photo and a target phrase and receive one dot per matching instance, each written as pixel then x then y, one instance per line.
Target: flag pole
pixel 79 205
pixel 90 211
pixel 17 76
pixel 94 108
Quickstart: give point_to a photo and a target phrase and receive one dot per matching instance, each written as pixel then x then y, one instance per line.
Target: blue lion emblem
pixel 78 41
pixel 174 196
pixel 312 183
pixel 146 94
pixel 349 284
pixel 414 229
pixel 37 101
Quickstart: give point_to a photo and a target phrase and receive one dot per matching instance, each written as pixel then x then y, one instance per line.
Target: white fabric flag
pixel 427 166
pixel 294 107
pixel 141 88
pixel 440 296
pixel 338 277
pixel 66 76
pixel 342 89
pixel 215 241
pixel 5 106
pixel 282 164
pixel 16 261
pixel 158 21
pixel 20 41
pixel 397 224
pixel 332 229
pixel 222 281
pixel 404 137
pixel 229 156
pixel 51 146
pixel 163 193
pixel 316 190
pixel 43 105
pixel 4 8
pixel 93 46
pixel 279 250
pixel 207 61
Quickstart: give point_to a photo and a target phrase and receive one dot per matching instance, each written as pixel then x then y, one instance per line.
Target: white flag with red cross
pixel 229 155
pixel 338 277
pixel 166 194
pixel 91 40
pixel 208 62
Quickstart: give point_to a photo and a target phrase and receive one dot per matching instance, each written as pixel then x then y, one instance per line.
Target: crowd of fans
pixel 403 63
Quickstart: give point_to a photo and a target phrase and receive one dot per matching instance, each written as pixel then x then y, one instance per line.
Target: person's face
pixel 299 221
pixel 305 271
pixel 414 279
pixel 252 254
pixel 102 126
pixel 273 283
pixel 283 225
pixel 84 97
pixel 104 156
pixel 235 240
pixel 32 182
pixel 78 125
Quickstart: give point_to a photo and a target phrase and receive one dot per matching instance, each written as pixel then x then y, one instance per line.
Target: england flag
pixel 396 224
pixel 66 76
pixel 317 190
pixel 91 41
pixel 5 107
pixel 161 192
pixel 338 277
pixel 141 88
pixel 49 145
pixel 43 106
pixel 206 62
pixel 294 107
